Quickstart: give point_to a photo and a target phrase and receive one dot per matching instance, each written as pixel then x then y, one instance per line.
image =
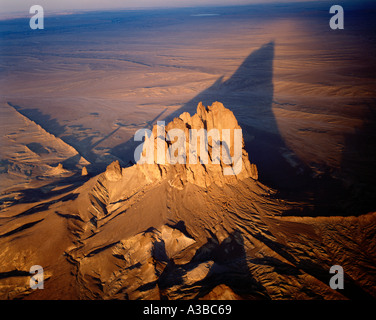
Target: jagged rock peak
pixel 215 116
pixel 222 160
pixel 113 171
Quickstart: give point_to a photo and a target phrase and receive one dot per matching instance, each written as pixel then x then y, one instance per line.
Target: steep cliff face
pixel 209 150
pixel 181 231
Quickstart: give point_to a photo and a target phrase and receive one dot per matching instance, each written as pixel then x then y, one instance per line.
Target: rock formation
pixel 84 171
pixel 57 171
pixel 184 231
pixel 113 171
pixel 216 117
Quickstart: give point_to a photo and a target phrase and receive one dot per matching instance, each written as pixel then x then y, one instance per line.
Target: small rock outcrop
pixel 84 172
pixel 57 171
pixel 113 171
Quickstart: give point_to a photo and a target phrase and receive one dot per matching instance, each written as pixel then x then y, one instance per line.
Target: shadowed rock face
pixel 134 233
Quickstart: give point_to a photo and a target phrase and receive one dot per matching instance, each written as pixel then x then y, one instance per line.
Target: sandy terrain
pixel 76 93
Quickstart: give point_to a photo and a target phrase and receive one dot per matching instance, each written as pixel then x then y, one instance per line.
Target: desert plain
pixel 73 95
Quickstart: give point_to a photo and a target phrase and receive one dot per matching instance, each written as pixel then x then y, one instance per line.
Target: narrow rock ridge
pixel 202 173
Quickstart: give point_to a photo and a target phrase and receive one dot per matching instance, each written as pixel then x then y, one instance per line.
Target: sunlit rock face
pixel 196 162
pixel 113 171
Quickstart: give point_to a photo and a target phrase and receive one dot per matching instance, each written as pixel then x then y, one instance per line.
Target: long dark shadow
pixel 358 165
pixel 249 94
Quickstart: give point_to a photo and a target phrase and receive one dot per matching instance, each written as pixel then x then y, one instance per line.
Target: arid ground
pixel 74 94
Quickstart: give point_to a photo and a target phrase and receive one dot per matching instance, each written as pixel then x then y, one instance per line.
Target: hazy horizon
pixel 10 7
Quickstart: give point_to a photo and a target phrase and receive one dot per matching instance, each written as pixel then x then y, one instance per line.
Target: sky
pixel 8 6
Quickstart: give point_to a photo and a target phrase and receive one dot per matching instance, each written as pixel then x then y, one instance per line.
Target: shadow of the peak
pixel 248 93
